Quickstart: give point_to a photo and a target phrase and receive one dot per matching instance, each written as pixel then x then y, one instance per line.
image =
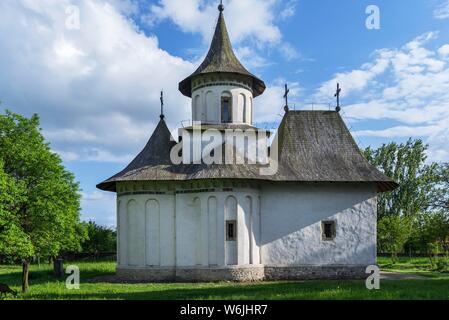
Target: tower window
pixel 328 229
pixel 242 102
pixel 231 230
pixel 226 109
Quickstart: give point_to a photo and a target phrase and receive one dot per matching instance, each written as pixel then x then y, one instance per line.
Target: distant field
pixel 44 286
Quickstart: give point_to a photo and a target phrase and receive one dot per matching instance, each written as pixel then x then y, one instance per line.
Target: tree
pixel 439 196
pixel 404 163
pixel 393 233
pixel 399 210
pixel 100 239
pixel 432 232
pixel 13 241
pixel 43 217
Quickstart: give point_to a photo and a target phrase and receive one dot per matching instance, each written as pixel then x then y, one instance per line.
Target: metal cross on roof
pixel 287 91
pixel 221 6
pixel 162 105
pixel 337 95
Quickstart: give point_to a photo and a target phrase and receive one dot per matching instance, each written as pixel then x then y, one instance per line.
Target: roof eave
pixel 109 186
pixel 386 186
pixel 185 86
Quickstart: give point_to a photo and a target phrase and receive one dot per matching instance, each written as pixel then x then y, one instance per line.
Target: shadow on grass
pixel 307 290
pixel 45 286
pixel 260 291
pixel 12 275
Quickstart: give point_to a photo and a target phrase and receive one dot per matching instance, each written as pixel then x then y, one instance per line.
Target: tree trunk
pixel 394 257
pixel 25 273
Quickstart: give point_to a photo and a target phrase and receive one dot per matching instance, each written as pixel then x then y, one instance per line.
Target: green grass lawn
pixel 44 286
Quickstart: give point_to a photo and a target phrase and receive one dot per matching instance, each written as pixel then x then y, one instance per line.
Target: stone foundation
pixel 314 272
pixel 240 273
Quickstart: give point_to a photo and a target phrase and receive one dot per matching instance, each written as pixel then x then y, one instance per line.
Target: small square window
pixel 328 230
pixel 231 230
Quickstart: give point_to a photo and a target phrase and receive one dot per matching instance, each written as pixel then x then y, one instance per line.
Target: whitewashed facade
pixel 171 228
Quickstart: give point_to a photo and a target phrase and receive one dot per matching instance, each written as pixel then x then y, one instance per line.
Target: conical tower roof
pixel 155 153
pixel 221 59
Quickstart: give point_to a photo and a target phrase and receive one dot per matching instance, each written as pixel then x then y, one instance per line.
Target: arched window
pixel 251 110
pixel 226 108
pixel 197 108
pixel 242 101
pixel 211 112
pixel 197 234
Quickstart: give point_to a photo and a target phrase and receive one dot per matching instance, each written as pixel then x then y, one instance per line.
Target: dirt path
pixel 399 276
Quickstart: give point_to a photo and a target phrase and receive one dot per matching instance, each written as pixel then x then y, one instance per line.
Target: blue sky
pixel 96 84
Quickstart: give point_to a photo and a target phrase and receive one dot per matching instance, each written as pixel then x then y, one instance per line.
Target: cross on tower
pixel 162 105
pixel 221 6
pixel 337 95
pixel 287 91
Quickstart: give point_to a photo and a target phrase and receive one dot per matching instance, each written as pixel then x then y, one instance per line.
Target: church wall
pixel 122 226
pixel 291 224
pixel 183 228
pixel 146 230
pixel 279 225
pixel 212 220
pixel 200 228
pixel 188 230
pixel 181 234
pixel 136 234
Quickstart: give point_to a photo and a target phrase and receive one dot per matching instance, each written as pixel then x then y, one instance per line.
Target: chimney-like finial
pixel 162 105
pixel 221 6
pixel 337 95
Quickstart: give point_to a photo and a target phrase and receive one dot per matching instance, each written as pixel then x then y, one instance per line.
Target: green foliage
pixel 440 264
pixel 439 195
pixel 13 240
pixel 100 239
pixel 46 287
pixel 393 232
pixel 431 232
pixel 39 199
pixel 405 164
pixel 417 212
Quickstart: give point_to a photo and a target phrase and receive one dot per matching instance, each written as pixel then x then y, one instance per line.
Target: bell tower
pixel 222 89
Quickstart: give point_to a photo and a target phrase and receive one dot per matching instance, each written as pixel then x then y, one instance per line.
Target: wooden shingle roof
pixel 314 146
pixel 221 59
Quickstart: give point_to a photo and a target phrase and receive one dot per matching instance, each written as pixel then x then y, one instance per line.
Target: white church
pixel 182 218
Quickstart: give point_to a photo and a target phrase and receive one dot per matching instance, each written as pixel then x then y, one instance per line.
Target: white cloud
pixel 409 86
pixel 253 22
pixel 289 52
pixel 197 16
pixel 250 58
pixel 97 88
pixel 270 106
pixel 289 9
pixel 67 155
pixel 355 80
pixel 99 207
pixel 399 131
pixel 442 12
pixel 444 51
